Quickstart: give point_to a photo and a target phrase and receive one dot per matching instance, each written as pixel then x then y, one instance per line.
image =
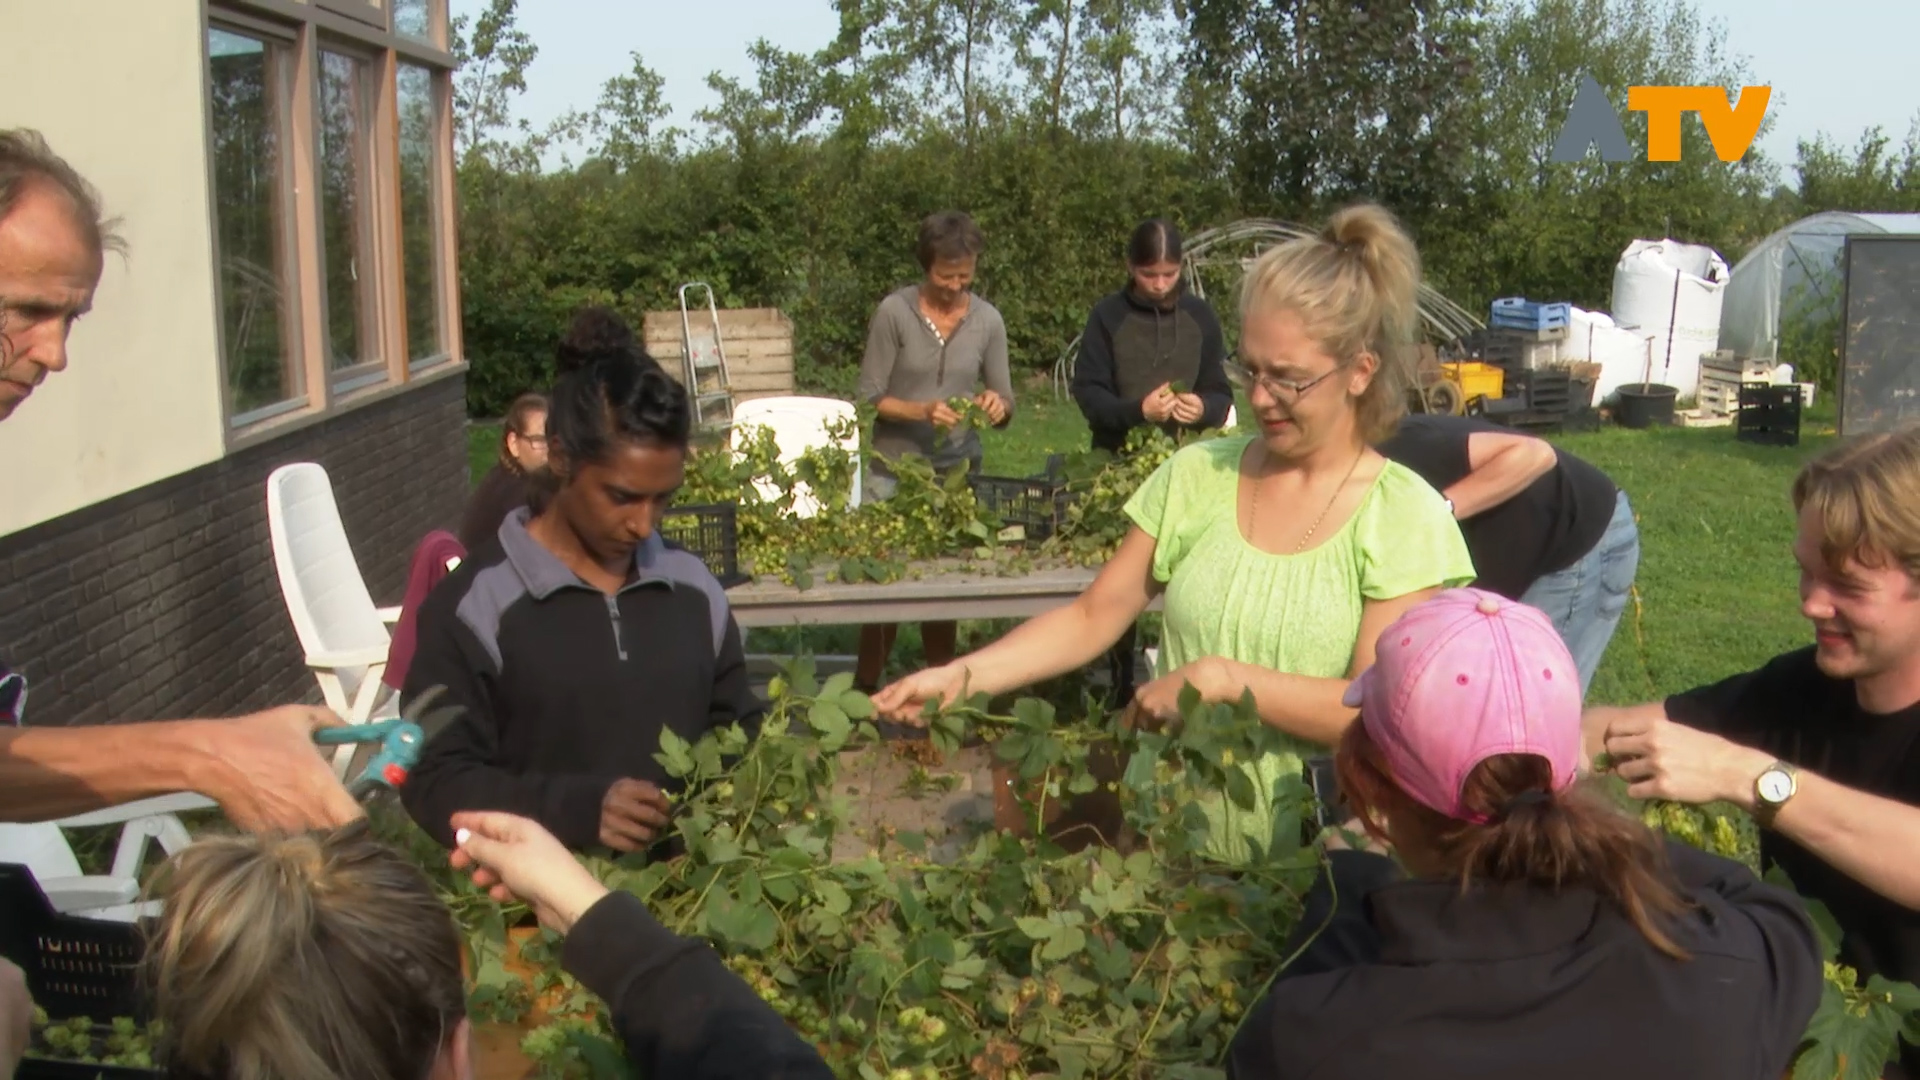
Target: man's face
pixel 616 504
pixel 47 278
pixel 1866 620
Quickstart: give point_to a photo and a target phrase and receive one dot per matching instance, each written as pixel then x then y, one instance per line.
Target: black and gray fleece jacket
pixel 567 689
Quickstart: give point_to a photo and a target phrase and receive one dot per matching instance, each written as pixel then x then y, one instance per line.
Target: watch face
pixel 1775 786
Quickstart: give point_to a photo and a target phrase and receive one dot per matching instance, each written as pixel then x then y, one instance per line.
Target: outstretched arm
pixel 1301 705
pixel 264 770
pixel 1873 840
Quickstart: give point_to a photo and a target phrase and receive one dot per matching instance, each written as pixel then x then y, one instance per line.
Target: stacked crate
pixel 1722 374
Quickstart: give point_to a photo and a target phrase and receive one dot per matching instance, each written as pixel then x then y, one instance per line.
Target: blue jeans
pixel 1585 600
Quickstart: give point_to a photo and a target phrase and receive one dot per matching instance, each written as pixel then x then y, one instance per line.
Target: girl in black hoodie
pixel 1143 340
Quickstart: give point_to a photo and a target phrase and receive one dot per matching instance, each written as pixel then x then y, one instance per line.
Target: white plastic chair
pixel 799 424
pixel 43 849
pixel 345 637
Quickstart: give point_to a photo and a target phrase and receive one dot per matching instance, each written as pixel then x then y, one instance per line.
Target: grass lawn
pixel 1716 590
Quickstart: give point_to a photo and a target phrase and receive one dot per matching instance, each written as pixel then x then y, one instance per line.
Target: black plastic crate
pixel 1036 504
pixel 74 967
pixel 1545 391
pixel 1769 415
pixel 710 531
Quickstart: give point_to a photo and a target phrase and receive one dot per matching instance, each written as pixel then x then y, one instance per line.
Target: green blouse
pixel 1298 614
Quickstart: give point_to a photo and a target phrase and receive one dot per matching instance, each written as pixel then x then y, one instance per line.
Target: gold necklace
pixel 1253 508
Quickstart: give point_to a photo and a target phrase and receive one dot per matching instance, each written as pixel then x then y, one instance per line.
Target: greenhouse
pixel 1796 272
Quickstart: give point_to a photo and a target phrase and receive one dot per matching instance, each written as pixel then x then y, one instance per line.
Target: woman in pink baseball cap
pixel 1528 922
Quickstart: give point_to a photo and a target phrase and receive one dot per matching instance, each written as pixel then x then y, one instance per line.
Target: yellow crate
pixel 1476 379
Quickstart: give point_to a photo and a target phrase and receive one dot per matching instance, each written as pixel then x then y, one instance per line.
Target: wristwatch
pixel 1772 788
pixel 1450 510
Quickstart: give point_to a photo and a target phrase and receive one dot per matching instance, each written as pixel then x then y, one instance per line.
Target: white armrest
pixel 71 894
pixel 372 654
pixel 164 804
pixel 388 615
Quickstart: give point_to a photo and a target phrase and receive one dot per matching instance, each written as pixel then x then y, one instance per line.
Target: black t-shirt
pixel 1794 711
pixel 1547 527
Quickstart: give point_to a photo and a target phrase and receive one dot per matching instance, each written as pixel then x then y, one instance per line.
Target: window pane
pixel 346 225
pixel 251 117
pixel 419 154
pixel 413 18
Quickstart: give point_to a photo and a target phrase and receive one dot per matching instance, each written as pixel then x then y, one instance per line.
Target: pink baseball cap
pixel 1464 676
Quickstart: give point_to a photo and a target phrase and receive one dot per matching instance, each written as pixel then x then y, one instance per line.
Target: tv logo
pixel 1592 120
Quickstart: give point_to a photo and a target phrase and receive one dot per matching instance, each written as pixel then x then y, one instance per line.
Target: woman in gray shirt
pixel 930 342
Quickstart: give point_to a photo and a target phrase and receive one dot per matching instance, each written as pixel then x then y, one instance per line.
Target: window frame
pixel 307 29
pixel 370 254
pixel 290 268
pixel 440 221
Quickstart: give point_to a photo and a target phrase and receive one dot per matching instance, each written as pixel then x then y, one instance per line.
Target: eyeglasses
pixel 537 440
pixel 1284 390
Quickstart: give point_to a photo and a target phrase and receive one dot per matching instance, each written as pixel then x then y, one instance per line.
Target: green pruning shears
pixel 401 739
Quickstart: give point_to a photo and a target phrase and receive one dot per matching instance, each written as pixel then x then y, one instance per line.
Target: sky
pixel 1836 66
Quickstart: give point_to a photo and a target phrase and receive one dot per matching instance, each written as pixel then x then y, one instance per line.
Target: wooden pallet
pixel 1701 418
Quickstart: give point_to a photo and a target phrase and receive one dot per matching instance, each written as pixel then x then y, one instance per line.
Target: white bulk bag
pixel 1622 354
pixel 1671 293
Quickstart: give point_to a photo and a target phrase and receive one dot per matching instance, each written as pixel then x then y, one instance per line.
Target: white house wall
pixel 116 87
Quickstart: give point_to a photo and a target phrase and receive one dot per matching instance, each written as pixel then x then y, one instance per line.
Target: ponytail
pixel 318 956
pixel 1356 285
pixel 1531 834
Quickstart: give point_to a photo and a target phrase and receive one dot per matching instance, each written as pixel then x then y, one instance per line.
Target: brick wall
pixel 164 602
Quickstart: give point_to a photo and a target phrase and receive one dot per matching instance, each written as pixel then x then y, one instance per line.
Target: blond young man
pixel 1821 744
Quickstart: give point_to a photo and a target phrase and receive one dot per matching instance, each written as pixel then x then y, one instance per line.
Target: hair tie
pixel 1527 798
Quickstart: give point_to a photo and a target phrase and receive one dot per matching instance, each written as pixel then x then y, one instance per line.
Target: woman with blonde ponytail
pixel 1280 554
pixel 1536 927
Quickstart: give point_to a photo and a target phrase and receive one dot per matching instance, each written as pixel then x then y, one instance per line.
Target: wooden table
pixel 938 593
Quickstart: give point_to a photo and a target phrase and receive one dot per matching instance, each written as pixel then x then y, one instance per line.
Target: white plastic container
pixel 1669 293
pixel 1592 337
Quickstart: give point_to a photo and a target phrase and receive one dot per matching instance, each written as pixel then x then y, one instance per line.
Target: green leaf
pixel 961 974
pixel 1082 783
pixel 837 684
pixel 852 571
pixel 782 889
pixel 1239 787
pixel 1066 941
pixel 856 705
pixel 832 895
pixel 745 925
pixel 602 1058
pixel 1035 927
pixel 831 722
pixel 915 842
pixel 1113 963
pixel 1140 771
pixel 675 753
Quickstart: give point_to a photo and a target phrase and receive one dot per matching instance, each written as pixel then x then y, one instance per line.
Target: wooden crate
pixel 758 343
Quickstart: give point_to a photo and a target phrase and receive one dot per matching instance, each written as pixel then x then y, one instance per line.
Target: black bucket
pixel 1645 405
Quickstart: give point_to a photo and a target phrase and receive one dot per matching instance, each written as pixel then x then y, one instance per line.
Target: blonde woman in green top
pixel 1281 555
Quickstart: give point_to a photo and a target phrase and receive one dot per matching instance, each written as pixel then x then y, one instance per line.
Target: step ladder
pixel 705 362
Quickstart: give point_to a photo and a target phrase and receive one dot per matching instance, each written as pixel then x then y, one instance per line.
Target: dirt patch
pixel 904 785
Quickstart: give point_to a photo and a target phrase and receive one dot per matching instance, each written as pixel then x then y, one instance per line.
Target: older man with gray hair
pixel 262 769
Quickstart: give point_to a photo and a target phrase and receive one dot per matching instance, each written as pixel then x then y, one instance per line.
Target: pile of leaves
pixel 928 519
pixel 1013 957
